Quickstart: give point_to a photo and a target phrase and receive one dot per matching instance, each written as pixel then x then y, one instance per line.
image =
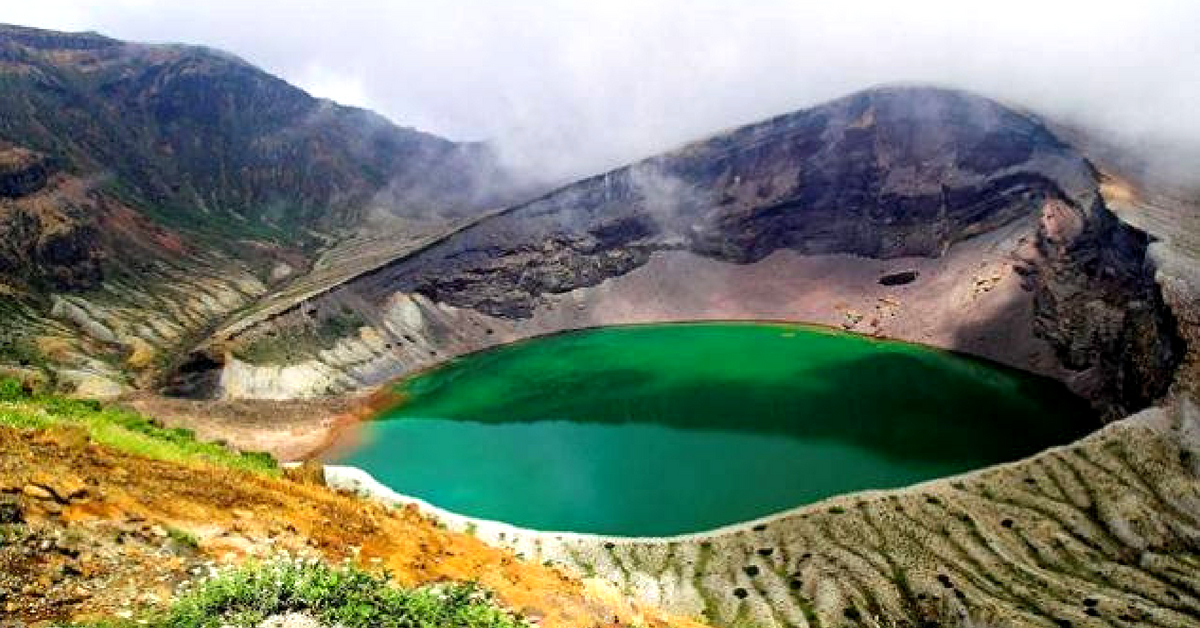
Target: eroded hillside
pixel 149 191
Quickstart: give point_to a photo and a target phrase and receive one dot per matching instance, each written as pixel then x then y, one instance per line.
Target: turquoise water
pixel 665 429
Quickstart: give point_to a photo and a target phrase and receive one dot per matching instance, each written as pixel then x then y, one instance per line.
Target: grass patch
pixel 183 538
pixel 120 429
pixel 344 596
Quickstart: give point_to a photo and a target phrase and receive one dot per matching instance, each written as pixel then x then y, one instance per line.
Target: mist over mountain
pixel 903 240
pixel 572 89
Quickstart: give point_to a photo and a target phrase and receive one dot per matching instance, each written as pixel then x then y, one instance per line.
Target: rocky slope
pixel 898 175
pixel 148 191
pixel 203 139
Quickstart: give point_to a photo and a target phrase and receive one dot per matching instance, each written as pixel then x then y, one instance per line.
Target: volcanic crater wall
pixel 884 174
pixel 896 173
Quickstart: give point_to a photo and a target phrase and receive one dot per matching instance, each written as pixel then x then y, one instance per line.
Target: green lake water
pixel 666 429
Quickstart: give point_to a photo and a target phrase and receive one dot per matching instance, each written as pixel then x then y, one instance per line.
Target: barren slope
pixel 100 518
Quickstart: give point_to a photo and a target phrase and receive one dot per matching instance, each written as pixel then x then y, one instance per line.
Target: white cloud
pixel 581 85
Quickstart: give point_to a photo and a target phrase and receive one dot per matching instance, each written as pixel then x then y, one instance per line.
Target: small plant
pixel 11 533
pixel 11 390
pixel 183 538
pixel 345 596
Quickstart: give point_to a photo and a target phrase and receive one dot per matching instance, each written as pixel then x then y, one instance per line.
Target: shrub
pixel 11 389
pixel 184 538
pixel 345 596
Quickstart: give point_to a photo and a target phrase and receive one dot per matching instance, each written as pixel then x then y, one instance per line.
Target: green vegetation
pixel 11 390
pixel 120 429
pixel 297 343
pixel 184 538
pixel 12 533
pixel 344 596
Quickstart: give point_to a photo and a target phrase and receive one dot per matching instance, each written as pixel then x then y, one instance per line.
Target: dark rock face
pixel 65 257
pixel 1096 301
pixel 58 246
pixel 22 173
pixel 885 173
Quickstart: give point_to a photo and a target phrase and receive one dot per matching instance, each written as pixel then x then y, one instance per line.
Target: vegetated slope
pixel 102 513
pixel 902 173
pixel 146 191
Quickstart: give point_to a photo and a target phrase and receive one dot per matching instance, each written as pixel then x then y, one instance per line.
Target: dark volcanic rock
pixel 22 172
pixel 885 173
pixel 1096 301
pixel 899 278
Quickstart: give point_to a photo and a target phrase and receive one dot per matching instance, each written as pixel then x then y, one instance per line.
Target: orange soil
pixel 238 514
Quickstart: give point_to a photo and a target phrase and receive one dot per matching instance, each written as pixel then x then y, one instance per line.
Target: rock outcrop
pixel 22 172
pixel 1097 302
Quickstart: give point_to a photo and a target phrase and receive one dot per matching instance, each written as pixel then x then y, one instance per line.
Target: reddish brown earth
pixel 95 539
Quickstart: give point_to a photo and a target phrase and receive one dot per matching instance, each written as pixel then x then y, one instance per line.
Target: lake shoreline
pixel 630 410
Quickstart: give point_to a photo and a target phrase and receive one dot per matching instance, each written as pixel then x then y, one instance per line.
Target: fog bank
pixel 571 87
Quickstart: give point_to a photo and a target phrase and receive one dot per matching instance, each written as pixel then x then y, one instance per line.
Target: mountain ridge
pixel 170 185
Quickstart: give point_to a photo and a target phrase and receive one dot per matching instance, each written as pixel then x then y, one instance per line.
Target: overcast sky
pixel 591 83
